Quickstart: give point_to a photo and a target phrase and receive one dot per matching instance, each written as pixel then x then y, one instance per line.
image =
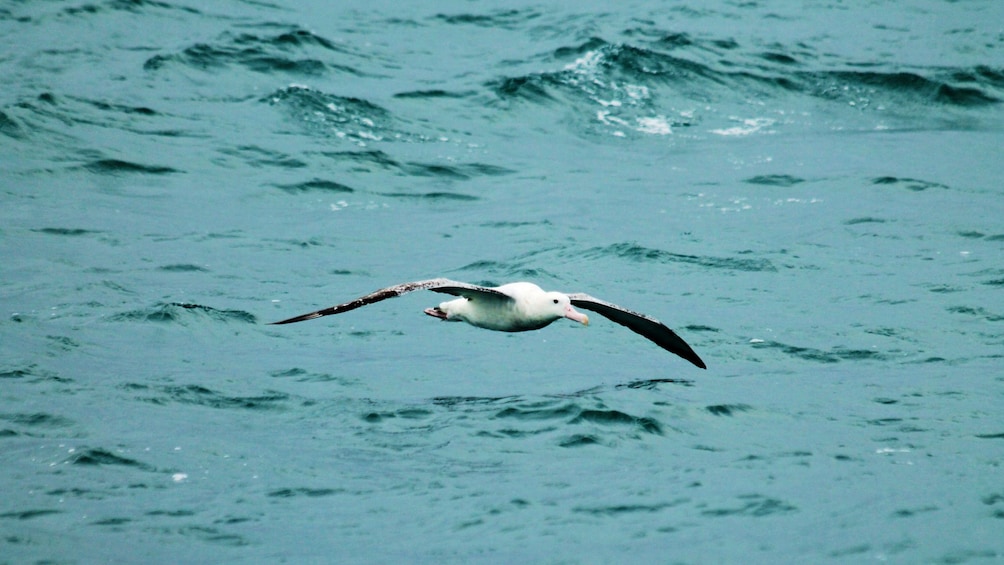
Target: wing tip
pixel 302 318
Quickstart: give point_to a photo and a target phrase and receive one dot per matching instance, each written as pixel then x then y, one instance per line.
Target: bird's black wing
pixel 641 324
pixel 437 285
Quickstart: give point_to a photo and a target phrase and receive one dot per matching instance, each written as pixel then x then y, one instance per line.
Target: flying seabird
pixel 518 307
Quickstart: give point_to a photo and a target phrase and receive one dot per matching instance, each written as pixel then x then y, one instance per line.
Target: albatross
pixel 517 307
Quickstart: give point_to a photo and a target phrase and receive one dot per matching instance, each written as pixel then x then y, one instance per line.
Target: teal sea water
pixel 810 193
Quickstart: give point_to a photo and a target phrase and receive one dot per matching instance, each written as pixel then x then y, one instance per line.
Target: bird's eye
pixel 555 300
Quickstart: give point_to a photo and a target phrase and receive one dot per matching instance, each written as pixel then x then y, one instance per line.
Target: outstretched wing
pixel 641 324
pixel 445 286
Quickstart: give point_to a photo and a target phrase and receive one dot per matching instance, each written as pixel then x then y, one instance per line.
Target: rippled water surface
pixel 810 193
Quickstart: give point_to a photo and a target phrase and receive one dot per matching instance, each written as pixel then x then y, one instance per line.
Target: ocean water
pixel 810 193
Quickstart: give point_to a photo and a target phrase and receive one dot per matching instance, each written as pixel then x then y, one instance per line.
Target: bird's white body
pixel 524 307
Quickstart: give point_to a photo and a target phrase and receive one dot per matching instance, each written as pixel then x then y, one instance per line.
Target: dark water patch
pixel 29 514
pixel 505 19
pixel 944 289
pixel 619 509
pixel 995 499
pixel 991 436
pixel 37 420
pixel 982 74
pixel 132 6
pixel 76 492
pixel 753 505
pixel 296 38
pixel 908 183
pixel 62 342
pixel 121 108
pixel 461 401
pixel 304 376
pixel 865 220
pixel 506 270
pixel 198 395
pixel 971 234
pixel 911 512
pixel 517 434
pixel 234 520
pixel 183 312
pixel 264 54
pixel 377 417
pixel 653 384
pixel 976 311
pixel 485 265
pixel 182 268
pixel 510 224
pixel 633 61
pixel 662 39
pixel 482 170
pixel 319 185
pixel 11 127
pixel 590 45
pixel 430 94
pixel 303 491
pixel 365 161
pixel 579 440
pixel 533 88
pixel 171 513
pixel 121 521
pixel 851 550
pixel 728 409
pixel 212 535
pixel 15 373
pixel 884 421
pixel 255 156
pixel 69 110
pixel 414 413
pixel 963 96
pixel 781 58
pixel 98 457
pixel 434 170
pixel 438 196
pixel 340 117
pixel 835 355
pixel 459 172
pixel 120 167
pixel 618 418
pixel 775 180
pixel 638 253
pixel 32 374
pixel 71 232
pixel 906 85
pixel 540 411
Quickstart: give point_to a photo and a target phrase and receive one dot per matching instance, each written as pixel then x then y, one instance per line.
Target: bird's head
pixel 560 306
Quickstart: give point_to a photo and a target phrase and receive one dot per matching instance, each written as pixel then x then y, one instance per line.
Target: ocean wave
pixel 342 117
pixel 656 86
pixel 833 355
pixel 294 51
pixel 183 312
pixel 636 252
pixel 198 395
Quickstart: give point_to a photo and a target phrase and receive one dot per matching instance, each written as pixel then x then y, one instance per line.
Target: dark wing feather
pixel 641 324
pixel 438 285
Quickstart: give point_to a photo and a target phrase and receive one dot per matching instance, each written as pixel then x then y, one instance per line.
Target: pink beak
pixel 573 314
